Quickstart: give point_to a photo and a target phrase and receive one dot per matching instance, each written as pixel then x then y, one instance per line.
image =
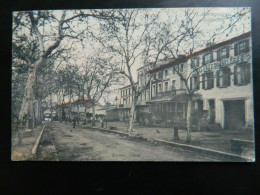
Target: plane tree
pixel 39 36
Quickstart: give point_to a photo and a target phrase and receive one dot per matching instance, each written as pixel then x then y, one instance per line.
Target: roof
pixel 176 61
pixel 76 101
pixel 159 62
pixel 127 86
pixel 64 104
pixel 187 56
pixel 49 111
pixel 242 36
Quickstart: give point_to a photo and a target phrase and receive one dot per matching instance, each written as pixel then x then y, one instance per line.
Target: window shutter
pixel 247 45
pixel 235 51
pixel 198 82
pixel 218 55
pixel 217 78
pixel 211 57
pixel 191 83
pixel 228 76
pixel 235 75
pixel 203 81
pixel 212 79
pixel 203 60
pixel 247 73
pixel 227 52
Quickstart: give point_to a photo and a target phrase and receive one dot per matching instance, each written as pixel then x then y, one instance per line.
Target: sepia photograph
pixel 146 84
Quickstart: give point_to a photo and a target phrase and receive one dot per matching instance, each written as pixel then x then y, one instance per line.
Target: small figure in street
pixel 157 130
pixel 101 123
pixel 74 122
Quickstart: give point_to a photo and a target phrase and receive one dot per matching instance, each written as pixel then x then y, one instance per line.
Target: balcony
pixel 141 102
pixel 168 95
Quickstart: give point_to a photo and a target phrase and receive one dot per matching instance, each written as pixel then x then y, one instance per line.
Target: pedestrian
pixel 74 122
pixel 101 122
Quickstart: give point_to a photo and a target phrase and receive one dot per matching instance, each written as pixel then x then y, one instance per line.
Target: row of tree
pixel 80 54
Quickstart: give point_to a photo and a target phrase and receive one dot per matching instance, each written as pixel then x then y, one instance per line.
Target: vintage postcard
pixel 164 84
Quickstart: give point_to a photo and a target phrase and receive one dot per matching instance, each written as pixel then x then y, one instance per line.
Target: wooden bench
pixel 237 144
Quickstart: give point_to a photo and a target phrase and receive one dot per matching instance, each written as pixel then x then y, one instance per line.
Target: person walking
pixel 74 122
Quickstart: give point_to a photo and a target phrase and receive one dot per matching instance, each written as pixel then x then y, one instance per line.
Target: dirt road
pixel 81 144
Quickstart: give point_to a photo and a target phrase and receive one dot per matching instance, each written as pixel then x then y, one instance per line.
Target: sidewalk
pixel 214 140
pixel 23 152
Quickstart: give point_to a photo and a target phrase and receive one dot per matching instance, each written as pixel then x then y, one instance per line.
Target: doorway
pixel 211 111
pixel 234 111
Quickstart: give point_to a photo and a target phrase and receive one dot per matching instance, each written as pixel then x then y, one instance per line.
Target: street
pixel 82 144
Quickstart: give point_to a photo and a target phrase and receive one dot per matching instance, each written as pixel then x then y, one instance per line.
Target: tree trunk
pixel 78 114
pixel 176 133
pixel 27 103
pixel 189 119
pixel 69 109
pixel 93 115
pixel 85 117
pixel 132 115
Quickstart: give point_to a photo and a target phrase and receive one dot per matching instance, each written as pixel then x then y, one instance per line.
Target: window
pixel 242 74
pixel 148 94
pixel 163 107
pixel 182 84
pixel 143 95
pixel 208 80
pixel 173 70
pixel 147 78
pixel 194 83
pixel 207 58
pixel 241 47
pixel 173 85
pixel 194 62
pixel 180 110
pixel 172 107
pixel 166 73
pixel 222 53
pixel 154 76
pixel 159 87
pixel 223 77
pixel 160 75
pixel 166 86
pixel 181 68
pixel 153 92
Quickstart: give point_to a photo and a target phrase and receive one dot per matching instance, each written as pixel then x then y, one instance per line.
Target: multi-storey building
pixel 226 86
pixel 69 110
pixel 167 98
pixel 222 82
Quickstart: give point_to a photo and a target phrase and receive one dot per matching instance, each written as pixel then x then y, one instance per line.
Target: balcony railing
pixel 167 95
pixel 141 102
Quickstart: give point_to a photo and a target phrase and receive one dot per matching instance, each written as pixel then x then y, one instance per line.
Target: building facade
pixel 70 110
pixel 220 77
pixel 226 86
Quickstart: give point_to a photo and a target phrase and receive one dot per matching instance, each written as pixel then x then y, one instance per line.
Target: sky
pixel 211 22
